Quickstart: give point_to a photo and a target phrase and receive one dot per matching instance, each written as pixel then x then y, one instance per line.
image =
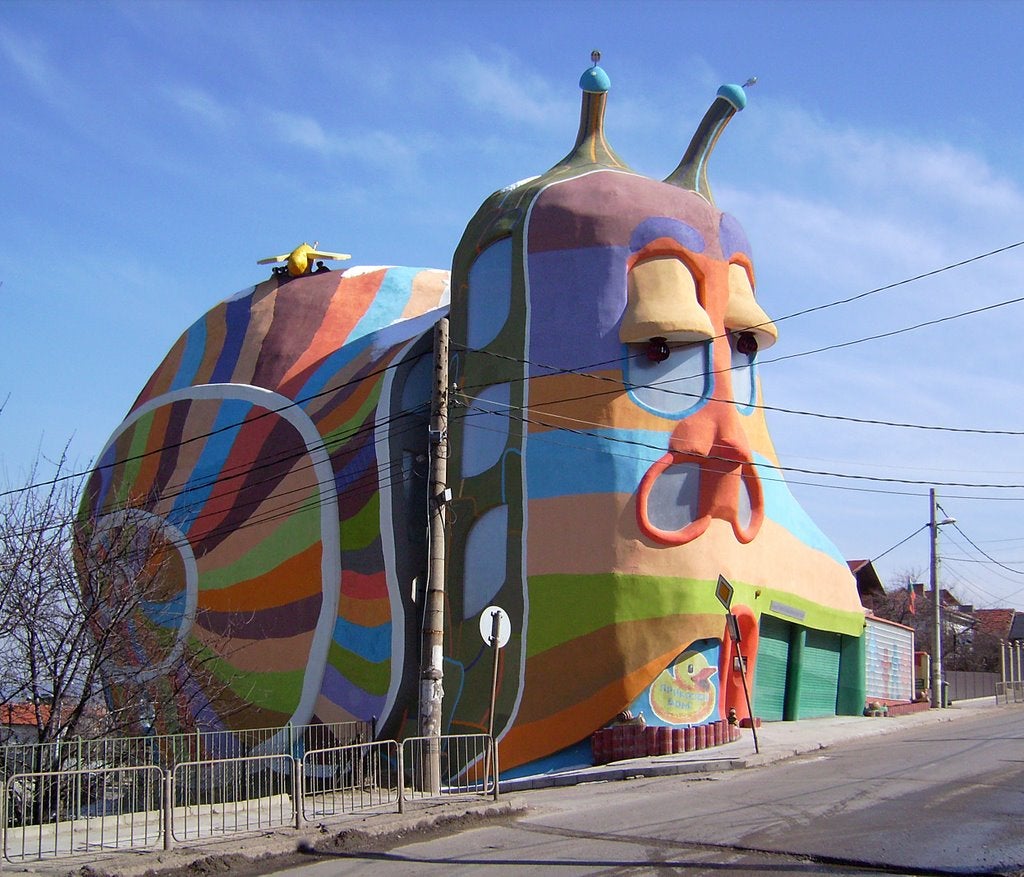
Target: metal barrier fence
pixel 54 814
pixel 468 765
pixel 51 814
pixel 168 750
pixel 232 795
pixel 350 778
pixel 1010 692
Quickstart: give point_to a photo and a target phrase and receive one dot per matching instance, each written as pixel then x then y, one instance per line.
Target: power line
pixel 709 456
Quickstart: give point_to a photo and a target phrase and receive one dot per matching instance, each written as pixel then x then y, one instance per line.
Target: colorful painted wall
pixel 609 460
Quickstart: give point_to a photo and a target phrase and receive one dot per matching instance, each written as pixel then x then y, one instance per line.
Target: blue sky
pixel 154 151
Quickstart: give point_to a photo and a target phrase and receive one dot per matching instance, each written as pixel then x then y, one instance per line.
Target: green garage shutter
pixel 819 675
pixel 770 676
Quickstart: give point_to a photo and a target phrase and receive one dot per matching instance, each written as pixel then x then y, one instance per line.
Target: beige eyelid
pixel 661 302
pixel 743 313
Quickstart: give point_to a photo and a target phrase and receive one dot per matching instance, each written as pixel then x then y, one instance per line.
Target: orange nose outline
pixel 725 467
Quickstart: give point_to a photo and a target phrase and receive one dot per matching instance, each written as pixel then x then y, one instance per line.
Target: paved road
pixel 942 798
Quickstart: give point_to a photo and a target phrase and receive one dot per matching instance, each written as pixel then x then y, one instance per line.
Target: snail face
pixel 662 301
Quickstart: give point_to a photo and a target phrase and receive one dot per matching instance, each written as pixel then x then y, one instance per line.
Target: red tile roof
pixel 23 714
pixel 995 622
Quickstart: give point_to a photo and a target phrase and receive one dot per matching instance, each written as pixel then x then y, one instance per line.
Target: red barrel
pixel 664 741
pixel 691 739
pixel 701 738
pixel 618 742
pixel 679 739
pixel 650 741
pixel 636 743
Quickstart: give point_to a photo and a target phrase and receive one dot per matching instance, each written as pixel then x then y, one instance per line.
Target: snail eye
pixel 744 385
pixel 747 343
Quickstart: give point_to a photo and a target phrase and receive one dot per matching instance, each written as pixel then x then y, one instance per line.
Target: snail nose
pixel 662 305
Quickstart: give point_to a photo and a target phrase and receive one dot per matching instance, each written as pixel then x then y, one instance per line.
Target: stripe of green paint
pixel 137 447
pixel 343 433
pixel 293 537
pixel 816 616
pixel 373 678
pixel 598 600
pixel 278 691
pixel 363 528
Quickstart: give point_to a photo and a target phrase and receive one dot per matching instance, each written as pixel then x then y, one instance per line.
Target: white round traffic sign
pixel 487 625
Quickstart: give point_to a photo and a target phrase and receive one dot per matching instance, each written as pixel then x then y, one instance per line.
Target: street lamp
pixel 937 699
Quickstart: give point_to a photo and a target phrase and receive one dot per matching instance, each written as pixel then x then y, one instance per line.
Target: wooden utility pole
pixel 432 651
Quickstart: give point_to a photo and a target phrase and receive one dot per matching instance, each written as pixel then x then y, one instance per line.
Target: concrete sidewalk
pixel 777 742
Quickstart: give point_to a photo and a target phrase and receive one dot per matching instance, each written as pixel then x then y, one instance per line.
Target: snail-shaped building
pixel 608 459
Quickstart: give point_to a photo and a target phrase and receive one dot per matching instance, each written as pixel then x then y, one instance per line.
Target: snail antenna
pixel 692 171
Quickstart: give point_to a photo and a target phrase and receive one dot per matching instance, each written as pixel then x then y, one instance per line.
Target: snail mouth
pixel 681 494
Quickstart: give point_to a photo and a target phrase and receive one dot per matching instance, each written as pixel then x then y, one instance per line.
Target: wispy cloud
pixel 29 58
pixel 884 162
pixel 500 87
pixel 373 147
pixel 201 106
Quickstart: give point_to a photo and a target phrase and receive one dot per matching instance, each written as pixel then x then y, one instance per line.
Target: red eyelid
pixel 744 262
pixel 661 248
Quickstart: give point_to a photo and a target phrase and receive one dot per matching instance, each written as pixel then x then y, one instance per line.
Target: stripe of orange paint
pixel 216 330
pixel 604 404
pixel 164 374
pixel 300 574
pixel 524 743
pixel 347 409
pixel 366 613
pixel 232 476
pixel 267 654
pixel 261 318
pixel 156 439
pixel 427 291
pixel 349 304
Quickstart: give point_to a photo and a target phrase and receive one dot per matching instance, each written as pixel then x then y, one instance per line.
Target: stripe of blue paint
pixel 168 614
pixel 346 694
pixel 105 467
pixel 330 367
pixel 781 506
pixel 389 302
pixel 236 322
pixel 608 461
pixel 211 461
pixel 355 470
pixel 195 346
pixel 372 644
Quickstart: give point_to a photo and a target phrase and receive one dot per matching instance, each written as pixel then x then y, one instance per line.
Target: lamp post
pixel 937 699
